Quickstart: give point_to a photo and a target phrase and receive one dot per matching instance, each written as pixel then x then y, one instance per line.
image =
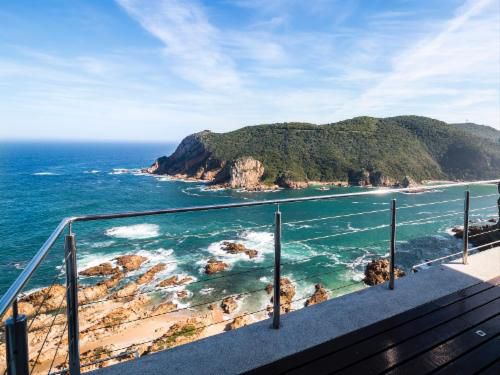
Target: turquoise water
pixel 327 242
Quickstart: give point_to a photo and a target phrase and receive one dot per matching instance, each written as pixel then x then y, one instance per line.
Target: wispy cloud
pixel 191 41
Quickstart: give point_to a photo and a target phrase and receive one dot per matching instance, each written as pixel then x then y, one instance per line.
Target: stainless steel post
pixel 466 226
pixel 72 305
pixel 16 334
pixel 393 243
pixel 277 269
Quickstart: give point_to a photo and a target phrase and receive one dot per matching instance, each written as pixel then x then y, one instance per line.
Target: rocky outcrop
pixel 127 291
pixel 228 305
pixel 178 334
pixel 215 266
pixel 378 272
pixel 47 299
pixel 290 183
pixel 238 322
pixel 320 295
pixel 481 235
pixel 246 172
pixel 407 182
pixel 150 274
pixel 164 308
pixel 237 248
pixel 130 262
pixel 287 292
pixel 366 177
pixel 175 280
pixel 103 269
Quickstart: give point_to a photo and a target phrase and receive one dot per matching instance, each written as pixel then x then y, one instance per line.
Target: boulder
pixel 287 292
pixel 215 266
pixel 103 269
pixel 112 281
pixel 150 274
pixel 228 305
pixel 320 295
pixel 407 182
pixel 237 248
pixel 238 322
pixel 377 272
pixel 182 294
pixel 130 262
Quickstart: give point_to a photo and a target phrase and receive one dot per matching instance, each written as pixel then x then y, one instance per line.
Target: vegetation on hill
pixel 482 131
pixel 418 147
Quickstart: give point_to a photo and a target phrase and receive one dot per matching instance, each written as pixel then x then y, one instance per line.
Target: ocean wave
pixel 45 174
pixel 134 171
pixel 134 232
pixel 93 171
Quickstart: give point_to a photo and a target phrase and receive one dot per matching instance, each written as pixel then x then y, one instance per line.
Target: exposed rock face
pixel 288 182
pixel 103 269
pixel 215 266
pixel 378 272
pixel 246 172
pixel 320 295
pixel 113 280
pixel 238 322
pixel 228 305
pixel 130 262
pixel 127 291
pixel 407 182
pixel 51 297
pixel 287 292
pixel 175 280
pixel 164 307
pixel 150 274
pixel 364 177
pixel 178 334
pixel 379 179
pixel 237 248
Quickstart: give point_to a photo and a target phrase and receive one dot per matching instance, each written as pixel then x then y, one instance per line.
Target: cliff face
pixel 398 151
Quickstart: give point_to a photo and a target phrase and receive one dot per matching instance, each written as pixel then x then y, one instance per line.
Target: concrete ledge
pixel 256 345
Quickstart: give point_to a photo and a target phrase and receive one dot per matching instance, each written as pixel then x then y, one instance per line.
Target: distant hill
pixel 482 131
pixel 362 150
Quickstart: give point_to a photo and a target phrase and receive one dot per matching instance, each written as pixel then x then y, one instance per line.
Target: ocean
pixel 327 242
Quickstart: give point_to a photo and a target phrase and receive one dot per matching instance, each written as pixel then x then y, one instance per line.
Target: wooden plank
pixel 493 369
pixel 424 341
pixel 362 334
pixel 376 344
pixel 450 350
pixel 475 361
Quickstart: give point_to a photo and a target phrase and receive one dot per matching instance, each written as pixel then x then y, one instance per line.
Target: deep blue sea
pixel 327 242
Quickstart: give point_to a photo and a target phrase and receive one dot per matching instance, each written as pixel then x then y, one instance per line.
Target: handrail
pixel 16 287
pixel 271 202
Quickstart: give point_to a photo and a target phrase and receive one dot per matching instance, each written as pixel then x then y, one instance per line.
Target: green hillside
pixel 482 131
pixel 419 147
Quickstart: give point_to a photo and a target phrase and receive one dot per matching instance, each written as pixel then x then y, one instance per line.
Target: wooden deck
pixel 456 334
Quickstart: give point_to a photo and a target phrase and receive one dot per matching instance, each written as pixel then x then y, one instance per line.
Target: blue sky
pixel 161 69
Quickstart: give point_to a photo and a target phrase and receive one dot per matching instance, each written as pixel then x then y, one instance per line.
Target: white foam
pixel 206 291
pixel 45 174
pixel 93 171
pixel 135 232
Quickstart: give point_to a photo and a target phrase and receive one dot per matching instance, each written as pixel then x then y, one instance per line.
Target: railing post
pixel 72 304
pixel 277 269
pixel 393 243
pixel 466 226
pixel 16 334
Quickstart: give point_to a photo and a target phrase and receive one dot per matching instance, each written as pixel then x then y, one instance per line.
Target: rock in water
pixel 130 262
pixel 237 248
pixel 287 292
pixel 377 272
pixel 214 266
pixel 103 269
pixel 320 295
pixel 150 274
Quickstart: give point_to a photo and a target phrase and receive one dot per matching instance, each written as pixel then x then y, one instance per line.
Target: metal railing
pixel 16 327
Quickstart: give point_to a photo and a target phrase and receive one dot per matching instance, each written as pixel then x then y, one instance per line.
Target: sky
pixel 161 69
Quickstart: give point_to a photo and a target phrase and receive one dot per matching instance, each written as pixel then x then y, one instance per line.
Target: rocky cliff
pixel 364 151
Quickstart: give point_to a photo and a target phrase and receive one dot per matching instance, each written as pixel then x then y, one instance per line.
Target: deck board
pixel 434 336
